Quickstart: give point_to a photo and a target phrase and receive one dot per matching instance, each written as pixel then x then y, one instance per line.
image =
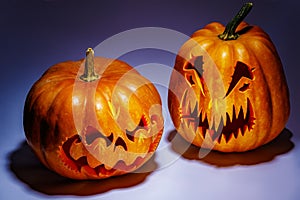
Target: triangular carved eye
pixel 193 70
pixel 241 70
pixel 198 64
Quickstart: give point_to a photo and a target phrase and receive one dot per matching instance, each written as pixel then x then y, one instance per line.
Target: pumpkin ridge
pixel 40 90
pixel 267 95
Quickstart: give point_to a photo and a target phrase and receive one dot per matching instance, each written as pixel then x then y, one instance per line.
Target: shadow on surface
pixel 28 169
pixel 280 145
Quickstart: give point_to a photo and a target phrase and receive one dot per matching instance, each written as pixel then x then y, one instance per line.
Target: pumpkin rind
pixel 50 127
pixel 266 93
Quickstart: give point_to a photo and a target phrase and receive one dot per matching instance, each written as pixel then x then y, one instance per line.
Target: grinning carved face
pixel 89 153
pixel 117 132
pixel 205 108
pixel 84 126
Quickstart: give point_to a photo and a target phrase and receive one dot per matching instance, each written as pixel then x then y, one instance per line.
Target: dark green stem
pixel 89 73
pixel 230 30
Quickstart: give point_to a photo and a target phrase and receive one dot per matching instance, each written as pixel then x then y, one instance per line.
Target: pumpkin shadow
pixel 28 169
pixel 266 153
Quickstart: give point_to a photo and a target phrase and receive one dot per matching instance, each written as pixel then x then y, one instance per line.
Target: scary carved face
pixel 228 94
pixel 208 115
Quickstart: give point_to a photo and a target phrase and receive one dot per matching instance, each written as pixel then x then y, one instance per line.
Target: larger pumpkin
pixel 245 104
pixel 93 126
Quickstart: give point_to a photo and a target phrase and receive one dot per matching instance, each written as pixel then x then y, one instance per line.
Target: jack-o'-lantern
pixel 96 121
pixel 228 91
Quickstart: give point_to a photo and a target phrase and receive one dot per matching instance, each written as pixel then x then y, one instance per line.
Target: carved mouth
pixel 233 126
pixel 82 159
pixel 82 162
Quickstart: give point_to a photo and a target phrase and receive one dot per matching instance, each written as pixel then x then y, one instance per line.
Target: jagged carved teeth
pixel 229 126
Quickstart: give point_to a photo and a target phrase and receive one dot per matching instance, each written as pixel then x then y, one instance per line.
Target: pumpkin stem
pixel 229 32
pixel 89 74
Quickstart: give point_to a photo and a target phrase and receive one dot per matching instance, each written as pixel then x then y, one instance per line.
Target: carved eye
pixel 143 124
pixel 91 134
pixel 198 64
pixel 241 70
pixel 198 68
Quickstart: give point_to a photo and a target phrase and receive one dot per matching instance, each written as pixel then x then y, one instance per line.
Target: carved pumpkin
pixel 103 123
pixel 245 104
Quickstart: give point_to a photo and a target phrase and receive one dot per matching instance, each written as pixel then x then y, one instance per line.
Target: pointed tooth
pixel 244 106
pixel 188 126
pixel 203 117
pixel 210 104
pixel 217 121
pixel 212 126
pixel 195 127
pixel 236 133
pixel 210 133
pixel 218 131
pixel 214 136
pixel 227 137
pixel 227 119
pixel 200 118
pixel 201 89
pixel 184 99
pixel 241 114
pixel 224 118
pixel 233 113
pixel 244 129
pixel 204 127
pixel 220 138
pixel 205 122
pixel 249 127
pixel 241 131
pixel 209 120
pixel 237 110
pixel 221 125
pixel 194 114
pixel 203 131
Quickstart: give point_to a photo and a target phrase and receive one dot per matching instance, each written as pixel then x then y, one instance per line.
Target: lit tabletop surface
pixel 37 34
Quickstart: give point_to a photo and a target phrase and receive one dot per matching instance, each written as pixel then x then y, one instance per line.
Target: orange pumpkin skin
pixel 254 103
pixel 131 124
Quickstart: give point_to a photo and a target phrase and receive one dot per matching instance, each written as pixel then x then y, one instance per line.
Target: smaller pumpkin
pixel 243 105
pixel 93 122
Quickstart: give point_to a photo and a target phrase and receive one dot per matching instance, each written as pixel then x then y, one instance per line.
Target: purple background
pixel 36 34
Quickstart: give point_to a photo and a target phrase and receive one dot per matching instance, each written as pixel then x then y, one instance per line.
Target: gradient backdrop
pixel 36 34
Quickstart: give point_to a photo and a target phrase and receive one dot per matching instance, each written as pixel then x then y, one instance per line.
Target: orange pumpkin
pixel 228 91
pixel 92 126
